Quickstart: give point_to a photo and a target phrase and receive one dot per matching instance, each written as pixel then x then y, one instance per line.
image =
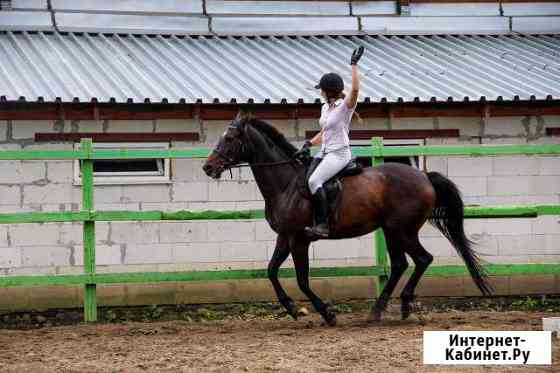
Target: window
pixel 127 171
pixel 414 161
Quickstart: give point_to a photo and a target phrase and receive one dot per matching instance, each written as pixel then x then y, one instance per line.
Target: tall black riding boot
pixel 320 205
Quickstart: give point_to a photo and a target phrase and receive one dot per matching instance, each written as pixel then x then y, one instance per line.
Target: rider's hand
pixel 305 150
pixel 356 55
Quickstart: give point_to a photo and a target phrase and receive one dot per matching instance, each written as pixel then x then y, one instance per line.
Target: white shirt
pixel 335 124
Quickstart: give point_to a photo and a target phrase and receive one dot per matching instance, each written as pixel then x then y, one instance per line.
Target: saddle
pixel 333 186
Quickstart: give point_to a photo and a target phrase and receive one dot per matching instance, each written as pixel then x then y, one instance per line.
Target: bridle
pixel 248 164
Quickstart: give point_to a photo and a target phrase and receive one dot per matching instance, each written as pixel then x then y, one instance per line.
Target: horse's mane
pixel 274 135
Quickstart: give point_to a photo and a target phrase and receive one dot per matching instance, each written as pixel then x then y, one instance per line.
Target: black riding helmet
pixel 331 82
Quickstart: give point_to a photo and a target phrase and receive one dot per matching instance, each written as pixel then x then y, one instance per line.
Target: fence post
pixel 90 291
pixel 380 246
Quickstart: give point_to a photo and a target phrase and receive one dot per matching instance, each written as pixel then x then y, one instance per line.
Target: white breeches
pixel 331 164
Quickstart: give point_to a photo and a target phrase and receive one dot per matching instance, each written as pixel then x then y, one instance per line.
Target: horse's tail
pixel 448 217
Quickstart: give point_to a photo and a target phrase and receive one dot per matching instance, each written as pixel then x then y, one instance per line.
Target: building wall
pixel 172 246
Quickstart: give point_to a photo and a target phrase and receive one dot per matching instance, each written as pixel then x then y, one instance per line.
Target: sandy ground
pixel 259 345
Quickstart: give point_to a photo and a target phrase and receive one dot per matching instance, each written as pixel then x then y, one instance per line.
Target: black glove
pixel 356 55
pixel 305 151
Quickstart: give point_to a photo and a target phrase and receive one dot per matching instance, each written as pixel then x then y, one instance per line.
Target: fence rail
pixel 88 216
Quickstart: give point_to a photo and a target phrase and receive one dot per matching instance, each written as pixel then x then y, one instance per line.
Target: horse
pixel 395 197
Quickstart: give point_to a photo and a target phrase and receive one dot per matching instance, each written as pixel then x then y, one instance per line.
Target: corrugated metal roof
pixel 274 69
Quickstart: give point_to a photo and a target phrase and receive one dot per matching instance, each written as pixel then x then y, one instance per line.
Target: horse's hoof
pixel 330 318
pixel 292 310
pixel 405 311
pixel 374 316
pixel 303 312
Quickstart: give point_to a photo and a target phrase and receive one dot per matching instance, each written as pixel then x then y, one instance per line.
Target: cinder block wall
pixel 171 246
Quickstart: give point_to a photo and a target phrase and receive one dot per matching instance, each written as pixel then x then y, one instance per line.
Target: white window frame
pixel 398 142
pixel 124 178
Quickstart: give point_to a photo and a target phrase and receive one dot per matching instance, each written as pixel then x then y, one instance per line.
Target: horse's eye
pixel 228 139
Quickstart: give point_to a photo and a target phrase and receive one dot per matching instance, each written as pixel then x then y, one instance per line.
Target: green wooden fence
pixel 88 215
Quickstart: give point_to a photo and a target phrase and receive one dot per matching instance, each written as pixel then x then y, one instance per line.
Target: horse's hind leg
pixel 422 260
pixel 280 254
pixel 395 248
pixel 300 254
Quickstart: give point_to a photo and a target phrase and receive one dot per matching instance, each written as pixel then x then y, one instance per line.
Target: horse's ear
pixel 243 117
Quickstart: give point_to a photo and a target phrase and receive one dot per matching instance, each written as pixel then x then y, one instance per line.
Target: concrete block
pixel 10 257
pixel 519 200
pixel 116 126
pixel 189 231
pixel 146 193
pixel 197 252
pixel 134 206
pixel 467 126
pixel 38 256
pixel 476 166
pixel 164 206
pixel 191 191
pixel 507 126
pixel 249 205
pixel 231 231
pixel 543 185
pixel 89 126
pixel 60 172
pixel 137 253
pixel 16 172
pixel 51 193
pixel 26 129
pixel 177 125
pixel 134 232
pixel 3 130
pixel 437 164
pixel 104 255
pixel 107 194
pixel 188 170
pixel 548 224
pixel 412 123
pixel 337 249
pixel 514 226
pixel 73 233
pixel 551 244
pixel 438 246
pixel 509 185
pixel 549 165
pixel 10 195
pixel 201 206
pixel 245 251
pixel 515 165
pixel 521 245
pixel 232 191
pixel 471 186
pixel 34 234
pixel 263 232
pixel 213 130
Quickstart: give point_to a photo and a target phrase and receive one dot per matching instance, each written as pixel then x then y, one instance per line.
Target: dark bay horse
pixel 395 197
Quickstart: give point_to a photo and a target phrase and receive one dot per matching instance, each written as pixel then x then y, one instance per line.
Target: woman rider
pixel 336 115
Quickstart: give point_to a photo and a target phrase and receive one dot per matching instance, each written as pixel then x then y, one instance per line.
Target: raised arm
pixel 355 90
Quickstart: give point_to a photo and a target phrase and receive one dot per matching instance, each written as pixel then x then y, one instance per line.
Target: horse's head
pixel 231 148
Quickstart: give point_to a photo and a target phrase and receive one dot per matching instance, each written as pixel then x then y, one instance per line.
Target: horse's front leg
pixel 300 253
pixel 280 254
